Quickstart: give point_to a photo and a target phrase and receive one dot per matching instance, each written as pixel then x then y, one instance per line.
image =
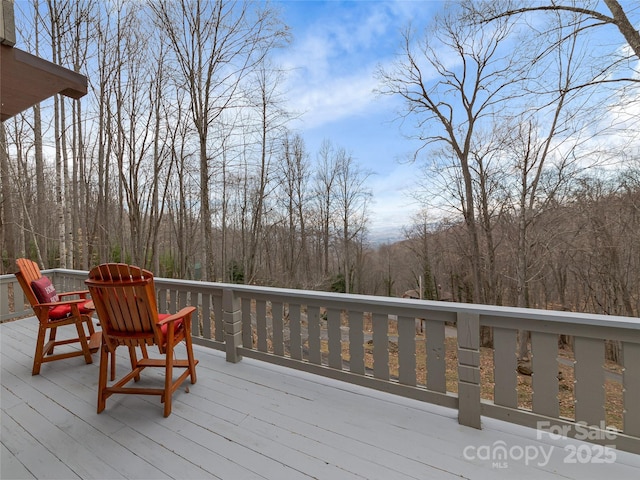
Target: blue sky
pixel 336 49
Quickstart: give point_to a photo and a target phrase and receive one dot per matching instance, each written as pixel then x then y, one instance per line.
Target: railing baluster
pixel 589 380
pixel 277 325
pixel 631 384
pixel 218 320
pixel 505 361
pixel 19 299
pixel 182 299
pixel 335 338
pixel 261 324
pixel 4 300
pixel 407 351
pixel 294 331
pixel 162 300
pixel 205 304
pixel 247 323
pixel 356 342
pixel 173 301
pixel 313 324
pixel 544 379
pixel 436 356
pixel 380 346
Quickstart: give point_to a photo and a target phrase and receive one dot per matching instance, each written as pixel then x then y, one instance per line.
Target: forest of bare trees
pixel 180 159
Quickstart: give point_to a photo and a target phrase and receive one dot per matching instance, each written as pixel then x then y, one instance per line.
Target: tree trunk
pixel 7 221
pixel 627 29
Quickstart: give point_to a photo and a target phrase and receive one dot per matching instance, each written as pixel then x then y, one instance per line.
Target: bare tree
pixel 18 192
pixel 81 37
pixel 57 16
pixel 135 124
pixel 543 167
pixel 324 194
pixel 616 17
pixel 418 235
pixel 183 197
pixel 450 100
pixel 38 138
pixel 105 230
pixel 295 172
pixel 7 204
pixel 352 200
pixel 272 117
pixel 215 45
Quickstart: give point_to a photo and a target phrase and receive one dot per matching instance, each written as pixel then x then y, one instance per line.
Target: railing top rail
pixel 10 277
pixel 345 301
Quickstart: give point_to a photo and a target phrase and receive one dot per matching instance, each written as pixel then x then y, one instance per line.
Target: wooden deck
pixel 253 420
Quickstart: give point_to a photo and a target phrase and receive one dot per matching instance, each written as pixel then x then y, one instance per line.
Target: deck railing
pixel 424 350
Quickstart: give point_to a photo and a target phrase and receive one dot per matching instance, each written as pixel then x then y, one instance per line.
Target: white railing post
pixel 469 369
pixel 232 315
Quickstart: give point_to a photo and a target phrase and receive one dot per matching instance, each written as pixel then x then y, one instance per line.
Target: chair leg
pixel 52 340
pixel 113 366
pixel 37 357
pixel 90 326
pixel 102 379
pixel 133 358
pixel 84 343
pixel 190 358
pixel 168 380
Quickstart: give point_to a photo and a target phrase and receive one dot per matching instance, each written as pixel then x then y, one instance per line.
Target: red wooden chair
pixel 55 310
pixel 125 300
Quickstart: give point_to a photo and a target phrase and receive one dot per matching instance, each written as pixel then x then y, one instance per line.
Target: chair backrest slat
pixel 124 297
pixel 28 271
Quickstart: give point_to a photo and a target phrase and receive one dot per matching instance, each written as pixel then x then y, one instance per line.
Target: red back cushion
pixel 45 292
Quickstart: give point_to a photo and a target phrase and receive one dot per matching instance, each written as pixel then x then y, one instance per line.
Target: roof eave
pixel 26 80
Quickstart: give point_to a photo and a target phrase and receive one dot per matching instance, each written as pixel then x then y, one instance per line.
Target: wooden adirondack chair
pixel 125 300
pixel 55 310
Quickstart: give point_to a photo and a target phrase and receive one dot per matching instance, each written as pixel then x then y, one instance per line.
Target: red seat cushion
pixel 59 312
pixel 45 292
pixel 63 311
pixel 164 328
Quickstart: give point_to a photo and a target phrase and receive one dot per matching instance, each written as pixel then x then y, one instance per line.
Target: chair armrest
pixel 63 302
pixel 177 316
pixel 82 293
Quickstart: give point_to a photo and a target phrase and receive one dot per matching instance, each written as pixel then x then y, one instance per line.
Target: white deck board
pixel 249 420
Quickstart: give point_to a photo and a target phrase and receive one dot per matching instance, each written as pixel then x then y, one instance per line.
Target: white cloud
pixel 333 59
pixel 335 99
pixel 331 82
